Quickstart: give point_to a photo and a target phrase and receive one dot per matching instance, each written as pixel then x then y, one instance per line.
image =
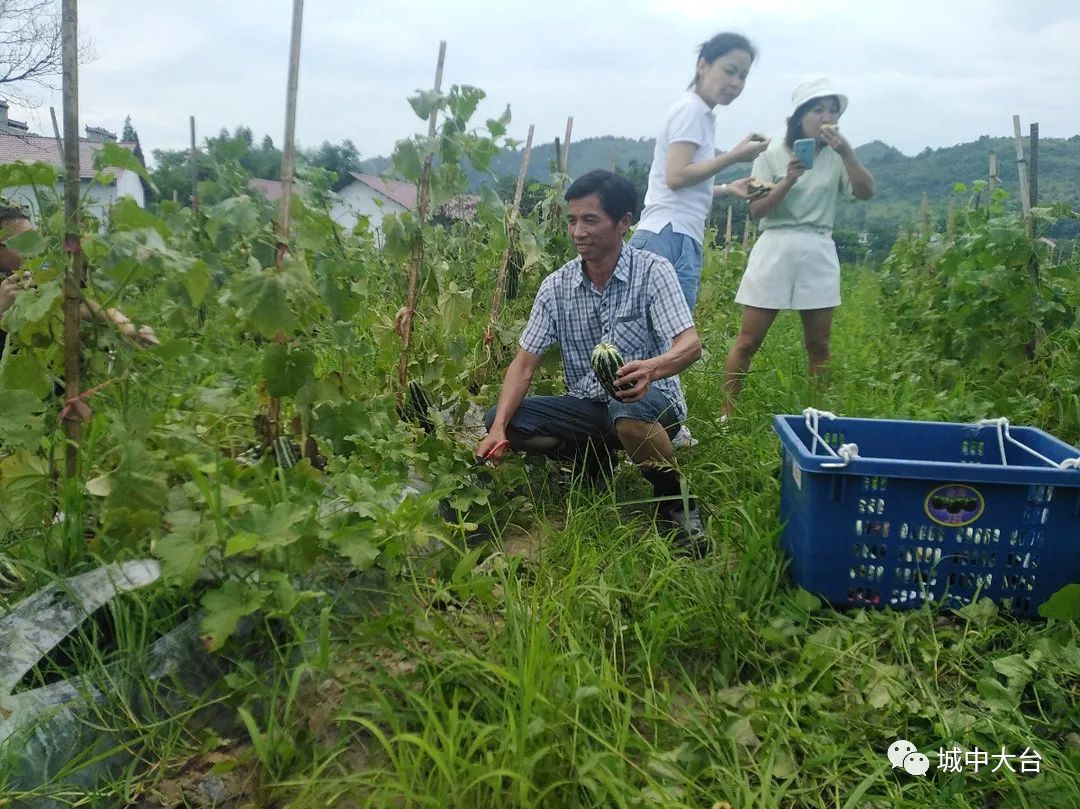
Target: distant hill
pixel 876 150
pixel 901 179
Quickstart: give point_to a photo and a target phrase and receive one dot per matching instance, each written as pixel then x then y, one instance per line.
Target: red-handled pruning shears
pixel 494 453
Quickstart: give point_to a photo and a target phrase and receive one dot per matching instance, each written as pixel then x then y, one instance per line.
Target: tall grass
pixel 604 671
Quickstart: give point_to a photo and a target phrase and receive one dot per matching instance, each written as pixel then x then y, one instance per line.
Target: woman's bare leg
pixel 755 325
pixel 817 326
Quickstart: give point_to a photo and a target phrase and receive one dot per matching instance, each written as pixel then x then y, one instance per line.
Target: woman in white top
pixel 681 190
pixel 794 264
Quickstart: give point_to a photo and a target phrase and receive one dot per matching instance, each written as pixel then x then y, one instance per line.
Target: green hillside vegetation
pixel 902 180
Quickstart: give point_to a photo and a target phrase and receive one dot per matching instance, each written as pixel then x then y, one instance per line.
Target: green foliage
pixel 986 297
pixel 113 156
pixel 236 156
pixel 599 672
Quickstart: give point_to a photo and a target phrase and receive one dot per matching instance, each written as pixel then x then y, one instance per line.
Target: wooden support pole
pixel 746 232
pixel 56 134
pixel 288 149
pixel 993 177
pixel 1033 181
pixel 1021 167
pixel 523 170
pixel 565 162
pixel 727 233
pixel 193 167
pixel 69 38
pixel 1029 225
pixel 417 255
pixel 511 228
pixel 288 152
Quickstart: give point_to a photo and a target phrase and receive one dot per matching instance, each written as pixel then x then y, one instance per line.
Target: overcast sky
pixel 918 72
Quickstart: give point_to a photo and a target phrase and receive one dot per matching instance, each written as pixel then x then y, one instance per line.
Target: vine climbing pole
pixel 727 234
pixel 193 167
pixel 288 153
pixel 416 257
pixel 564 158
pixel 1028 199
pixel 69 22
pixel 499 293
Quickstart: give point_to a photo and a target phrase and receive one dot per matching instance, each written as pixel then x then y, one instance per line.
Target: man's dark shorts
pixel 578 421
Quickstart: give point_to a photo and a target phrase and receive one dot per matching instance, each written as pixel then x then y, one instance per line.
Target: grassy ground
pixel 582 665
pixel 600 671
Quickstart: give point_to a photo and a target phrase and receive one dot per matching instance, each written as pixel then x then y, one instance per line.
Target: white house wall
pixel 128 185
pixel 97 197
pixel 358 199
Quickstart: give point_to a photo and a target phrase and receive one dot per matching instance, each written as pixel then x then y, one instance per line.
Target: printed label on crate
pixel 954 505
pixel 796 473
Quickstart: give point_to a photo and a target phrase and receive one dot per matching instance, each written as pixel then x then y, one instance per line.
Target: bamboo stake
pixel 417 256
pixel 746 232
pixel 1033 182
pixel 727 233
pixel 566 145
pixel 56 134
pixel 69 22
pixel 1021 167
pixel 993 175
pixel 193 168
pixel 288 149
pixel 511 227
pixel 1029 226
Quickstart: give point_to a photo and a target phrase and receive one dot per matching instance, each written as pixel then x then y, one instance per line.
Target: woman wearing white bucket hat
pixel 794 264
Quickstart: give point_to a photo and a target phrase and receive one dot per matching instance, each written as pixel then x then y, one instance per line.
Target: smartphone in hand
pixel 805 149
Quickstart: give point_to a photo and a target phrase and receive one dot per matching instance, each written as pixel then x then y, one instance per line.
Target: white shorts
pixel 791 268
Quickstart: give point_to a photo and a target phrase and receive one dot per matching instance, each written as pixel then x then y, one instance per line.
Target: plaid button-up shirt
pixel 640 311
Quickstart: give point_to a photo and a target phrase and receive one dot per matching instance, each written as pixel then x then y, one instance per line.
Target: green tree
pixel 342 159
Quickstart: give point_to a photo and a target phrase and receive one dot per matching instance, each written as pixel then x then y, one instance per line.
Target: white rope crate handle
pixel 844 455
pixel 1002 425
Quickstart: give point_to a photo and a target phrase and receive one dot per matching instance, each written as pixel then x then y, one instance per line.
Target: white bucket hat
pixel 816 88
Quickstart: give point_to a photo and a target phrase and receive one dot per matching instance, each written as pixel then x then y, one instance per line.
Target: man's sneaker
pixel 689 539
pixel 683 438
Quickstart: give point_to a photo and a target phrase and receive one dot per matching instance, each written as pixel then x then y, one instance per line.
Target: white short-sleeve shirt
pixel 689 120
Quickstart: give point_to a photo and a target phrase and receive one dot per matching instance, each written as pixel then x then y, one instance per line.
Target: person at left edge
pixel 611 292
pixel 14 281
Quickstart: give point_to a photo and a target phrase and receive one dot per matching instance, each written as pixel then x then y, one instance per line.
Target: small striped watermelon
pixel 606 362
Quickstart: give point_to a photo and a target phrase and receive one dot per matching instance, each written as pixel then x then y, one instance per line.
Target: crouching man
pixel 616 294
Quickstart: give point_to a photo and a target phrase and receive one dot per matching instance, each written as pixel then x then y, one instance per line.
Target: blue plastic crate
pixel 928 511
